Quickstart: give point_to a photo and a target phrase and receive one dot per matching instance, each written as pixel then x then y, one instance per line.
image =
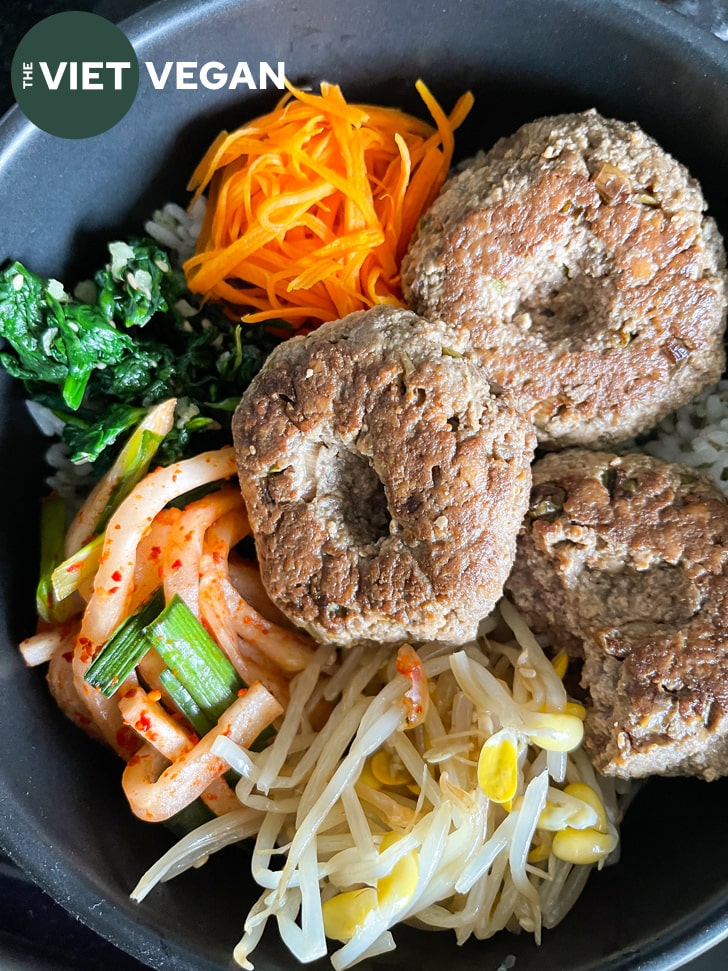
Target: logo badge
pixel 75 74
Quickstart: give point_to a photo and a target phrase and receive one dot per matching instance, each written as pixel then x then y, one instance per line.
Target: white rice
pixel 71 480
pixel 696 435
pixel 176 228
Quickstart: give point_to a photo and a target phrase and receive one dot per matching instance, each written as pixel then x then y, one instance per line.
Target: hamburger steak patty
pixel 577 257
pixel 625 560
pixel 385 483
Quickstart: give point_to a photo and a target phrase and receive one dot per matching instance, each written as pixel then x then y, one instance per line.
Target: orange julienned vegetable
pixel 311 207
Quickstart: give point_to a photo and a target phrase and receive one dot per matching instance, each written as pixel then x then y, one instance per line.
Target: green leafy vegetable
pixel 137 283
pixel 100 365
pixel 56 340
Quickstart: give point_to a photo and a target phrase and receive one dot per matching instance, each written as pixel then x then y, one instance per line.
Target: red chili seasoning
pixel 143 723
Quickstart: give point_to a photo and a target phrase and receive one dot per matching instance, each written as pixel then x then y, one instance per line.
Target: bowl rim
pixel 68 883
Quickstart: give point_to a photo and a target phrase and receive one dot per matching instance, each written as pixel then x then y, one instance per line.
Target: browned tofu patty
pixel 384 482
pixel 577 257
pixel 624 560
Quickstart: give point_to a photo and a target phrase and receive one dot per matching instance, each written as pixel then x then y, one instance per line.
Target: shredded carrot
pixel 311 207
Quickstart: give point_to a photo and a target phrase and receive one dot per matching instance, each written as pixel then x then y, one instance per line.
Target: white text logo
pixel 189 75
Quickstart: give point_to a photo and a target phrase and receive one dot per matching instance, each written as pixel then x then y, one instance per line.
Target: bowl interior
pixel 64 818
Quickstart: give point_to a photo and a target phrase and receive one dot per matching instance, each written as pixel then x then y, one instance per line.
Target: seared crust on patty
pixel 384 482
pixel 577 257
pixel 625 560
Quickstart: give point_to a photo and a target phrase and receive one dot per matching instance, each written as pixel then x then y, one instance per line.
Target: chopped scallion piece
pixel 199 679
pixel 199 493
pixel 131 466
pixel 52 534
pixel 194 658
pixel 262 740
pixel 125 648
pixel 69 575
pixel 185 703
pixel 189 818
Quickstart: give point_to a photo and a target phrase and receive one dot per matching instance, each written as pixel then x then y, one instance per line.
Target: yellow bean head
pixel 542 850
pixel 560 664
pixel 396 889
pixel 346 913
pixel 563 809
pixel 580 790
pixel 367 776
pixel 582 845
pixel 554 730
pixel 498 766
pixel 389 771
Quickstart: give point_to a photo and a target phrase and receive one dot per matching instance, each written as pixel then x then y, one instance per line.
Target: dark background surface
pixel 35 933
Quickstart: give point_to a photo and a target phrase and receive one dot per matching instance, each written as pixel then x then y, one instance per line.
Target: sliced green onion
pixel 261 741
pixel 125 648
pixel 69 575
pixel 180 502
pixel 131 465
pixel 185 703
pixel 199 679
pixel 190 818
pixel 194 658
pixel 52 534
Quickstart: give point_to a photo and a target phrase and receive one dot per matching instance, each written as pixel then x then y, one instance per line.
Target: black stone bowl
pixel 62 814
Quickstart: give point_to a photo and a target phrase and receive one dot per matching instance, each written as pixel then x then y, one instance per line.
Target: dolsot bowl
pixel 63 817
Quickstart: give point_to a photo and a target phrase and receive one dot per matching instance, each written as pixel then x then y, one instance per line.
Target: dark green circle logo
pixel 75 74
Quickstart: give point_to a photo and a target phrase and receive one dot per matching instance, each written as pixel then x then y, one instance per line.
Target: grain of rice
pixel 695 435
pixel 176 228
